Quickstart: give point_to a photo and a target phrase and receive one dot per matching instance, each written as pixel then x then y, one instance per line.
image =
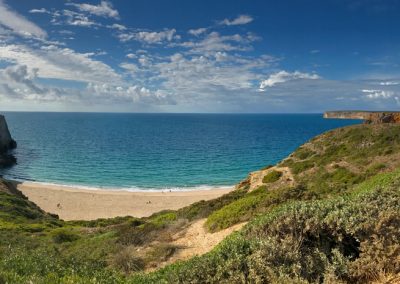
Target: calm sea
pixel 154 151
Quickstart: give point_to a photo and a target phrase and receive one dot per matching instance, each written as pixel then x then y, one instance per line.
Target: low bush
pixel 127 261
pixel 63 235
pixel 272 176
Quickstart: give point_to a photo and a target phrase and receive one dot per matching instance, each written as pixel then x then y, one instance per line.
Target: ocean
pixel 154 151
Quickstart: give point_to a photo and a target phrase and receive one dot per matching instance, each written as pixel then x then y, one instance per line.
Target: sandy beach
pixel 83 204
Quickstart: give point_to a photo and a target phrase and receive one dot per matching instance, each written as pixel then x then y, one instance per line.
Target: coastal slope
pixel 328 213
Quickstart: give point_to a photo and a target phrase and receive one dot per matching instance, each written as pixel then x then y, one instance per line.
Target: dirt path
pixel 195 240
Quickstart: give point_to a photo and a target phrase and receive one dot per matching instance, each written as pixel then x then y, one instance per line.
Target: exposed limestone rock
pixel 374 117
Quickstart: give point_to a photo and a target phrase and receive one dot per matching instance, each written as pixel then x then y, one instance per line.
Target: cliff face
pixel 6 144
pixel 375 117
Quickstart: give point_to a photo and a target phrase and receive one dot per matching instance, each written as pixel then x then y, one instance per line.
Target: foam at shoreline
pixel 127 189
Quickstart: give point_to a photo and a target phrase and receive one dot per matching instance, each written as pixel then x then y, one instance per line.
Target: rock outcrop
pixel 6 144
pixel 374 117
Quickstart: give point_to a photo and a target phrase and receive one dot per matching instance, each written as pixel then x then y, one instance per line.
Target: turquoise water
pixel 154 151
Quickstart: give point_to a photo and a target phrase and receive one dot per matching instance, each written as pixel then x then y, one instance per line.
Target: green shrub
pixel 203 209
pixel 303 153
pixel 254 203
pixel 127 261
pixel 161 252
pixel 63 235
pixel 299 167
pixel 272 176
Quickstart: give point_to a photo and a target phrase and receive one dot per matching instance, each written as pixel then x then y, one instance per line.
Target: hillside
pixel 330 213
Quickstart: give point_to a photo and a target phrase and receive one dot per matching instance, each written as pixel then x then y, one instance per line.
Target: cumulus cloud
pixel 197 32
pixel 19 24
pixel 378 94
pixel 18 82
pixel 59 63
pixel 104 9
pixel 284 76
pixel 132 68
pixel 135 94
pixel 117 27
pixel 200 79
pixel 150 37
pixel 240 20
pixel 215 42
pixel 75 19
pixel 20 74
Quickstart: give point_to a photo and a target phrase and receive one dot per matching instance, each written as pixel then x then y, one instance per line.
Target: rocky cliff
pixel 6 144
pixel 374 117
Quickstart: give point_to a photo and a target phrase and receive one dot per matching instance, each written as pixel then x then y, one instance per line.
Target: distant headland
pixel 374 117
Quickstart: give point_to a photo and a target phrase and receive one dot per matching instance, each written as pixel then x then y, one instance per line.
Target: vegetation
pixel 338 223
pixel 331 241
pixel 272 176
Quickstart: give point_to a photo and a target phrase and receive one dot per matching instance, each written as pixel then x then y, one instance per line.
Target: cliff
pixel 6 144
pixel 374 117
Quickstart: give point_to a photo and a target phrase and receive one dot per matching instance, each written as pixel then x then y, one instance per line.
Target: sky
pixel 217 56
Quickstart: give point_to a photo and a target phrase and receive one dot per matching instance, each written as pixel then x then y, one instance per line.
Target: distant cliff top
pixel 375 117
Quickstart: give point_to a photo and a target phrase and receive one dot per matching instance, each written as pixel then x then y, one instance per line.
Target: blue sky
pixel 199 56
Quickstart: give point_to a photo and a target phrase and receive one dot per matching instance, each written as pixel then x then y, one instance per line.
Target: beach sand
pixel 71 203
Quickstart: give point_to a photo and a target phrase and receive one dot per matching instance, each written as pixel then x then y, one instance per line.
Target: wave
pixel 129 189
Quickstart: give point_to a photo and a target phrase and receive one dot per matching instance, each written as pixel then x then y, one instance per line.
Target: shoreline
pixel 118 189
pixel 78 203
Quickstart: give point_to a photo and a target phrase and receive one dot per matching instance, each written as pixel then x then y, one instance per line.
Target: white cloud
pixel 199 79
pixel 117 27
pixel 59 63
pixel 39 11
pixel 284 76
pixel 135 94
pixel 215 42
pixel 132 68
pixel 131 55
pixel 197 32
pixel 144 61
pixel 150 37
pixel 378 94
pixel 389 83
pixel 17 82
pixel 77 19
pixel 104 9
pixel 240 20
pixel 19 24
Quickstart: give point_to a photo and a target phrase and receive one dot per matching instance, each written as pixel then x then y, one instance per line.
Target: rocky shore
pixel 7 143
